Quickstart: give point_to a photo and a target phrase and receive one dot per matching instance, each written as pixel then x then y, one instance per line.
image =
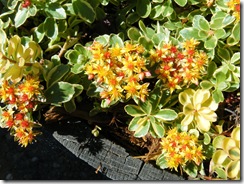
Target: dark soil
pixel 46 159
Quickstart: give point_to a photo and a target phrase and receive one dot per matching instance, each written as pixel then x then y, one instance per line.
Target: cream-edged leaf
pixel 187 120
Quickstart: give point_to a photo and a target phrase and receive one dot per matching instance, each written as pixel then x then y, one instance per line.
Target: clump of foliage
pixel 167 63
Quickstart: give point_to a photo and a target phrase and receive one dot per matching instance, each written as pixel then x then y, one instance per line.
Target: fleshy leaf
pixel 211 42
pixel 143 8
pixel 219 157
pixel 233 168
pixel 157 128
pixel 181 2
pixel 166 114
pixel 134 110
pixel 60 92
pixel 133 125
pixel 187 120
pixel 161 162
pixel 142 129
pixel 84 10
pixel 55 10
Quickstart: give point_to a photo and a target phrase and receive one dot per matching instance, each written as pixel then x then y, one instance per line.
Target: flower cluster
pixel 19 100
pixel 178 67
pixel 179 148
pixel 235 7
pixel 119 71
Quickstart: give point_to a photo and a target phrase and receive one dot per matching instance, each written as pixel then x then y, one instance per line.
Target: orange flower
pixel 180 148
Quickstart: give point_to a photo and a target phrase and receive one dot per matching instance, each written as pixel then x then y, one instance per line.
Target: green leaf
pixel 221 173
pixel 158 1
pixel 142 27
pixel 223 53
pixel 84 10
pixel 235 59
pixel 78 89
pixel 77 68
pixel 191 169
pixel 203 34
pixel 203 24
pixel 211 42
pixel 57 73
pixel 156 11
pixel 70 106
pixel 143 8
pixel 155 97
pixel 133 33
pixel 228 20
pixel 146 107
pixel 142 129
pixel 206 85
pixel 207 139
pixel 181 2
pixel 188 33
pixel 146 42
pixel 211 69
pixel 219 33
pixel 104 39
pixel 59 92
pixel 94 3
pixel 134 110
pixel 236 32
pixel 157 127
pixel 195 21
pixel 3 39
pixel 208 150
pixel 166 114
pixel 218 96
pixel 132 18
pixel 162 162
pixel 115 39
pixel 167 8
pixel 55 10
pixel 220 20
pixel 100 14
pixel 133 125
pixel 32 10
pixel 21 16
pixel 220 76
pixel 50 28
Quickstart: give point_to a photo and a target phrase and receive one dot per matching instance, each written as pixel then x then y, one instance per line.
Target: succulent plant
pixel 226 159
pixel 198 108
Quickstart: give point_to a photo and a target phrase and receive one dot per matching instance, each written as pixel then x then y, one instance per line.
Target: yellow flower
pixel 143 92
pixel 30 87
pixel 179 148
pixel 198 108
pixel 190 44
pixel 132 89
pixel 116 52
pixel 235 7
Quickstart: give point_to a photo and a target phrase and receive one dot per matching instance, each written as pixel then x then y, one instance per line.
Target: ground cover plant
pixel 167 70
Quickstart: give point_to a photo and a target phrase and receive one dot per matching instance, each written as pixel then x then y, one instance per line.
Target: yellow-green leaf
pixel 187 120
pixel 233 169
pixel 228 143
pixel 236 133
pixel 219 157
pixel 234 153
